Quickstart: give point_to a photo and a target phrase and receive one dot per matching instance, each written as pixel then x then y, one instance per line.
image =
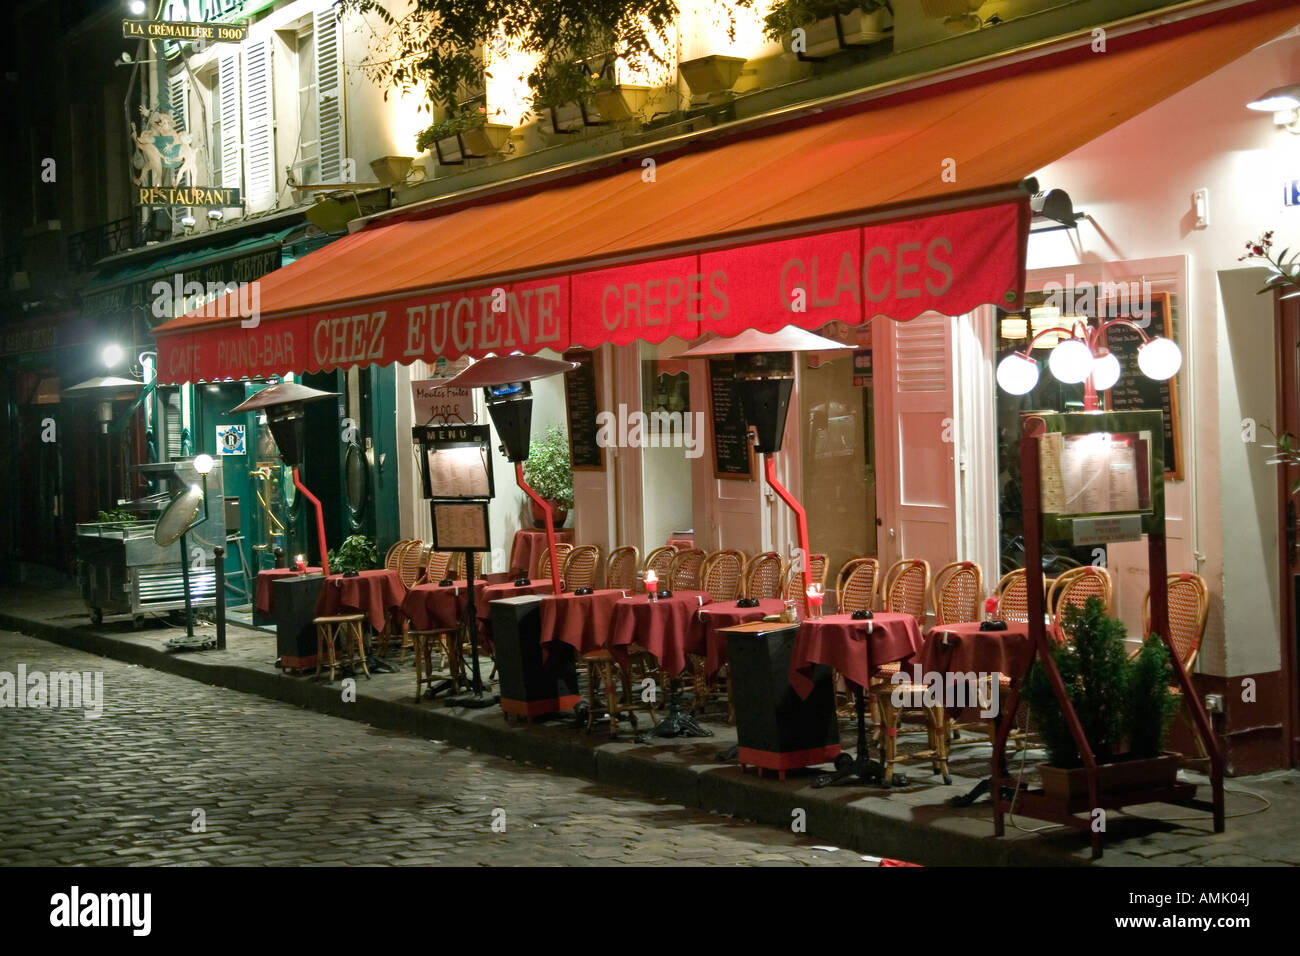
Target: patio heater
pixel 283 404
pixel 765 381
pixel 104 390
pixel 505 380
pixel 174 524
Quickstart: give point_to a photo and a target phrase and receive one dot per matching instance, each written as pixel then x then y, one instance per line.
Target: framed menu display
pixel 582 402
pixel 733 452
pixel 461 526
pixel 455 461
pixel 1101 476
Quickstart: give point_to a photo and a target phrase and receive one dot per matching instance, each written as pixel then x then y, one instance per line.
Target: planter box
pixel 622 103
pixel 488 139
pixel 1112 778
pixel 391 169
pixel 708 76
pixel 858 27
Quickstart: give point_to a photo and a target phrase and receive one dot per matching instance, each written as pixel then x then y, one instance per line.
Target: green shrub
pixel 357 553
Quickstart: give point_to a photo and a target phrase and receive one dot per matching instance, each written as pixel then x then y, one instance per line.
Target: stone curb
pixel 830 814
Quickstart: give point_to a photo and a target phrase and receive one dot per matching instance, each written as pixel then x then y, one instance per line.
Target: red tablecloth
pixel 962 648
pixel 662 627
pixel 526 552
pixel 581 622
pixel 681 544
pixel 854 648
pixel 710 619
pixel 263 596
pixel 372 593
pixel 430 606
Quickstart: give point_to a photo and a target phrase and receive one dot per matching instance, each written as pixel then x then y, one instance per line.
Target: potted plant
pixel 1117 700
pixel 466 135
pixel 549 471
pixel 828 25
pixel 356 554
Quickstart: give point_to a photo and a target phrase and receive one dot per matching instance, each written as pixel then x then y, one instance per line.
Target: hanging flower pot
pixel 488 139
pixel 621 103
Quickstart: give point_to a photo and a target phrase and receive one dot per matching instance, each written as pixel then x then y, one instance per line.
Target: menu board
pixel 458 472
pixel 1134 391
pixel 733 453
pixel 1095 473
pixel 582 399
pixel 460 526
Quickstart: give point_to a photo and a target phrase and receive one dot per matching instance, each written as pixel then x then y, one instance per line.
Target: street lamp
pixel 283 404
pixel 1077 358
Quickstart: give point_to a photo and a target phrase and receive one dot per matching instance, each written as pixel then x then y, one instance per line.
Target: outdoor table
pixel 580 621
pixel 529 546
pixel 499 592
pixel 662 627
pixel 855 648
pixel 264 597
pixel 432 606
pixel 372 593
pixel 712 618
pixel 681 543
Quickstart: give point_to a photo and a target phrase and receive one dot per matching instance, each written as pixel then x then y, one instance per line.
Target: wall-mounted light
pixel 1284 103
pixel 112 355
pixel 136 7
pixel 216 215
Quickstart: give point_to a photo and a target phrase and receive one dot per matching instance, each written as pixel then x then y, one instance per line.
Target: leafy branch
pixel 1283 271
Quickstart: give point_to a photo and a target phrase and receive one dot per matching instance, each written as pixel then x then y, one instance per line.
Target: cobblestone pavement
pixel 274 784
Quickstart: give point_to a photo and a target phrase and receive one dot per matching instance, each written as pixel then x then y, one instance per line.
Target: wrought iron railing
pixel 88 247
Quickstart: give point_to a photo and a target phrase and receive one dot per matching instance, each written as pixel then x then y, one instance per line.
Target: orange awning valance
pixel 896 207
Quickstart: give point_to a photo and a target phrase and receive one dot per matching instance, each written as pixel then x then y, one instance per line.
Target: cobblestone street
pixel 267 783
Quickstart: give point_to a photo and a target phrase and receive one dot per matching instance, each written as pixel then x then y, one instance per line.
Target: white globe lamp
pixel 1070 361
pixel 1017 375
pixel 1160 358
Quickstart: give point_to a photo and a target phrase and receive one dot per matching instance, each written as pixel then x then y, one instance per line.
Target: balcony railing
pixel 88 247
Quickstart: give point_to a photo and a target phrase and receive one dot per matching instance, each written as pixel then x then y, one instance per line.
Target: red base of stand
pixel 535 708
pixel 781 762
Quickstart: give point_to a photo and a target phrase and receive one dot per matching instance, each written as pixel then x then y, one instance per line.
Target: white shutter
pixel 232 162
pixel 329 95
pixel 259 134
pixel 178 93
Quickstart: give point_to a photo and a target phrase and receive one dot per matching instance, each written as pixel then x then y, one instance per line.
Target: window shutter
pixel 178 93
pixel 329 95
pixel 258 131
pixel 232 165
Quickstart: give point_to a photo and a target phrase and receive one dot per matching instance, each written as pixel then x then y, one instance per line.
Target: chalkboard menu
pixel 582 398
pixel 1134 391
pixel 733 453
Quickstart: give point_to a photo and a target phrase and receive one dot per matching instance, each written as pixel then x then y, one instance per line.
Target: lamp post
pixel 283 404
pixel 1078 358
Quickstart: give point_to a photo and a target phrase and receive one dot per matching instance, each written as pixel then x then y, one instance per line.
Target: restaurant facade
pixel 900 221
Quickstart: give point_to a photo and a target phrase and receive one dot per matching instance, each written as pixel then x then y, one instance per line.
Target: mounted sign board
pixel 184 31
pixel 1101 475
pixel 230 440
pixel 436 404
pixel 455 461
pixel 461 526
pixel 1134 391
pixel 582 404
pixel 209 196
pixel 733 452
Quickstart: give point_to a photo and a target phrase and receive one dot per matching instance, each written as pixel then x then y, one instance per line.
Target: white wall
pixel 1136 183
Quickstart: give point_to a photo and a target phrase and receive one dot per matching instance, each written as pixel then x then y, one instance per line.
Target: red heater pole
pixel 320 521
pixel 800 515
pixel 550 522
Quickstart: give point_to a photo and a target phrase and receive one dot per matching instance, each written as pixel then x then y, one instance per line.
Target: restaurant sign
pixel 181 30
pixel 211 196
pixel 948 263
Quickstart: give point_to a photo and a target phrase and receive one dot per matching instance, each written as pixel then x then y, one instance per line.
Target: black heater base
pixel 530 686
pixel 294 611
pixel 776 729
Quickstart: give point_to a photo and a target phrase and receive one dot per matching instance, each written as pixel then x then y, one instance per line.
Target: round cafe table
pixel 263 597
pixel 857 649
pixel 373 593
pixel 580 621
pixel 712 618
pixel 432 606
pixel 528 547
pixel 663 628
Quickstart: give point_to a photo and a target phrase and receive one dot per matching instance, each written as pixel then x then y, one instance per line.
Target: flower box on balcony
pixel 621 103
pixel 825 37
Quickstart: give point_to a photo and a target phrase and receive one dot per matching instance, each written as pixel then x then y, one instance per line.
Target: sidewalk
pixel 909 823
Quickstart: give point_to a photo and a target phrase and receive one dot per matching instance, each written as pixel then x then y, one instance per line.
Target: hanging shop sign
pixel 210 196
pixel 434 402
pixel 182 30
pixel 230 440
pixel 948 262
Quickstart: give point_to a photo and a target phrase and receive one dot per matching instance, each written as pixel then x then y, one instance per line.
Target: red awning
pixel 841 219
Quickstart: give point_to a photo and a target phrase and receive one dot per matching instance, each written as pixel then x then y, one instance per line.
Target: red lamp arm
pixel 550 522
pixel 801 518
pixel 320 521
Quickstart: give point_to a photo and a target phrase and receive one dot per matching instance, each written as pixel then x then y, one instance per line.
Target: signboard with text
pixel 181 30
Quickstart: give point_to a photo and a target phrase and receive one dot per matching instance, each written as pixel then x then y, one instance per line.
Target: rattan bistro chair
pixel 1189 605
pixel 622 567
pixel 410 568
pixel 581 567
pixel 723 579
pixel 855 588
pixel 957 591
pixel 661 560
pixel 685 573
pixel 394 556
pixel 1073 588
pixel 794 588
pixel 1013 597
pixel 764 575
pixel 438 568
pixel 561 555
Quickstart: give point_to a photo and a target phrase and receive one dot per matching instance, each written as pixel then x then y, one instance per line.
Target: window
pixel 307 163
pixel 212 82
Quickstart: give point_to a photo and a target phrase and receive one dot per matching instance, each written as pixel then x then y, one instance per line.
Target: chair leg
pixel 321 631
pixel 360 633
pixel 611 696
pixel 418 646
pixel 888 733
pixel 938 725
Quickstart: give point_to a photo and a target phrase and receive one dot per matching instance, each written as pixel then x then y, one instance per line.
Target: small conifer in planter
pixel 1117 700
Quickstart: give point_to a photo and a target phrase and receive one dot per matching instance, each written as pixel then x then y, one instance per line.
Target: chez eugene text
pixel 531 315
